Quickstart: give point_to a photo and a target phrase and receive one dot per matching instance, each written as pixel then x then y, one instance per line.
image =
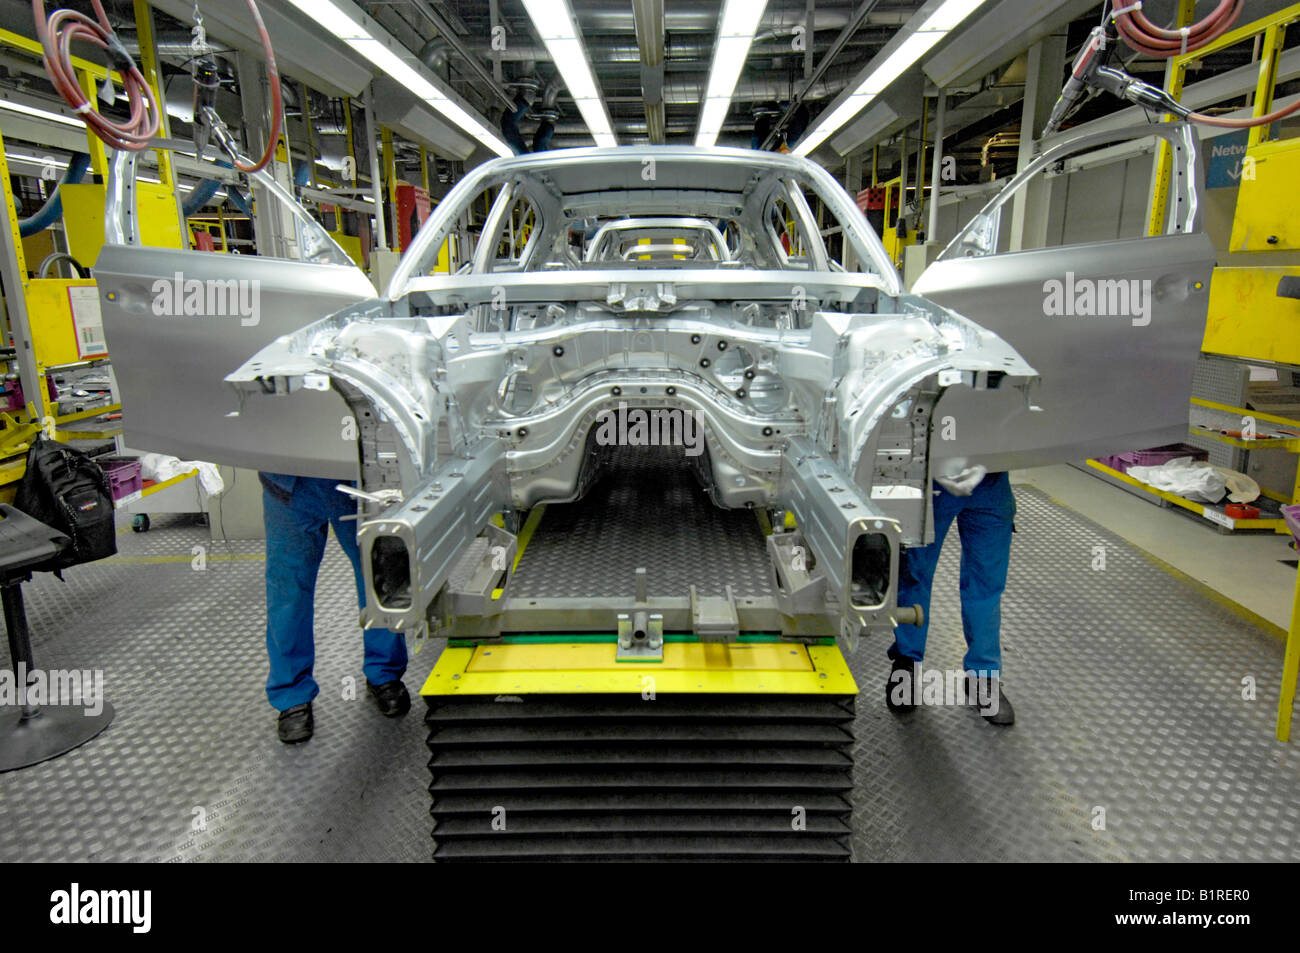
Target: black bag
pixel 67 490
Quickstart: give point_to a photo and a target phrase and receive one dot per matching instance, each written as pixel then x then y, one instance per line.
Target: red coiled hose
pixel 56 34
pixel 1143 36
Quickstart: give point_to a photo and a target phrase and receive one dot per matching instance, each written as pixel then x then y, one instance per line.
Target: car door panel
pixel 1113 328
pixel 1110 382
pixel 170 367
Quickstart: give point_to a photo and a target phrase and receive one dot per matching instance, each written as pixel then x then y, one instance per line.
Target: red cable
pixel 277 101
pixel 56 34
pixel 1143 36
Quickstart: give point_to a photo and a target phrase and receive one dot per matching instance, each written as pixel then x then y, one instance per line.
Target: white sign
pixel 87 321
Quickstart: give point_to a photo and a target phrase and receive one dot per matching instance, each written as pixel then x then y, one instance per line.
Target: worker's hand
pixel 963 483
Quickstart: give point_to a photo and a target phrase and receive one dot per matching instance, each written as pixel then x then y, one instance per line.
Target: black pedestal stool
pixel 30 734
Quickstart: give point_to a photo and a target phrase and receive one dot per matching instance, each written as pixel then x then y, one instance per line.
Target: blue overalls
pixel 984 522
pixel 296 511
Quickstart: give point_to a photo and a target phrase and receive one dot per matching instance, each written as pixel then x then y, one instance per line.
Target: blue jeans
pixel 984 522
pixel 296 522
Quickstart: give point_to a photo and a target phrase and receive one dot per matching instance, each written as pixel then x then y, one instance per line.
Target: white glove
pixel 963 483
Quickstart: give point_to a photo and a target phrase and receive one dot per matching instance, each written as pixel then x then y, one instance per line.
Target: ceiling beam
pixel 649 17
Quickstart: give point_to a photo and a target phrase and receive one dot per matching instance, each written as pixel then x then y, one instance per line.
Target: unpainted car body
pixel 823 391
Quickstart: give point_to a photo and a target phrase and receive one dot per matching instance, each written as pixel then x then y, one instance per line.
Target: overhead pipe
pixel 604 51
pixel 841 41
pixel 545 109
pixel 548 113
pixel 485 79
pixel 435 55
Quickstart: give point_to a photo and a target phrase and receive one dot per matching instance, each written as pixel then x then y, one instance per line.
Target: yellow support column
pixel 149 69
pixel 1274 37
pixel 11 220
pixel 94 145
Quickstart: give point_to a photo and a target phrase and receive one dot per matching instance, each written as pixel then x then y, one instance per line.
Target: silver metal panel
pixel 171 367
pixel 1113 328
pixel 1108 384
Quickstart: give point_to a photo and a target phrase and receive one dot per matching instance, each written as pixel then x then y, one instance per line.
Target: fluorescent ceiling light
pixel 42 161
pixel 374 46
pixel 898 62
pixel 736 28
pixel 950 14
pixel 712 116
pixel 38 113
pixel 53 163
pixel 741 18
pixel 554 23
pixel 937 24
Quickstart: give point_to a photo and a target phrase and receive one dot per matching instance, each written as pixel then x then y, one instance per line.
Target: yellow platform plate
pixel 687 667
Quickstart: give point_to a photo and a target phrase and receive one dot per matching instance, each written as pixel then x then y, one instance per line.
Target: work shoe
pixel 393 699
pixel 296 724
pixel 900 690
pixel 986 695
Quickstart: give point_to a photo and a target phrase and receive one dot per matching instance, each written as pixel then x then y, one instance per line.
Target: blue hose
pixel 52 210
pixel 199 196
pixel 510 126
pixel 240 202
pixel 203 192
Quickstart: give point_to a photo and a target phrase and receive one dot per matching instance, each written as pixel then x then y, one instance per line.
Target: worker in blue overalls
pixel 296 511
pixel 984 509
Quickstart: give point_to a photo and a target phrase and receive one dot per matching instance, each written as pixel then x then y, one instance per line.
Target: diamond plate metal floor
pixel 643 513
pixel 1127 683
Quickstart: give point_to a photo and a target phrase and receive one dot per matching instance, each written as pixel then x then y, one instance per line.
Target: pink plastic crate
pixel 11 398
pixel 123 477
pixel 1154 456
